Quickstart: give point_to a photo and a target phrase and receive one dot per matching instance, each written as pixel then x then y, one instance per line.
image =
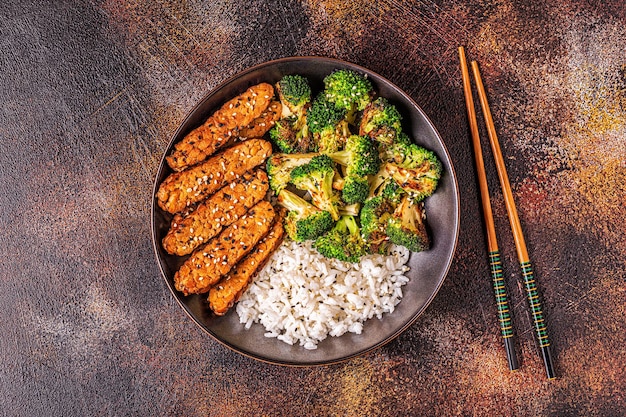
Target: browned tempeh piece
pixel 220 127
pixel 213 214
pixel 210 262
pixel 182 189
pixel 262 124
pixel 229 289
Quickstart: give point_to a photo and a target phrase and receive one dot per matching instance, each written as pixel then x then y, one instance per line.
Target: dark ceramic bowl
pixel 428 269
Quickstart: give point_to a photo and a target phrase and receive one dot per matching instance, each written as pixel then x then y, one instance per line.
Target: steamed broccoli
pixel 327 124
pixel 416 169
pixel 349 91
pixel 343 241
pixel 279 167
pixel 316 177
pixel 407 226
pixel 381 121
pixel 304 221
pixel 294 93
pixel 360 156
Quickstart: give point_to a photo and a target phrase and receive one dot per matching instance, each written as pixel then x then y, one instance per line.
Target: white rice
pixel 302 297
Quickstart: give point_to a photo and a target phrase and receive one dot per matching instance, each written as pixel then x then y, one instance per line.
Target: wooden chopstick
pixel 532 292
pixel 502 302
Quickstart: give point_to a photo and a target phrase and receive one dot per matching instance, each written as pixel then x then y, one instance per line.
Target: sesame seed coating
pixel 173 195
pixel 188 231
pixel 232 286
pixel 226 249
pixel 216 131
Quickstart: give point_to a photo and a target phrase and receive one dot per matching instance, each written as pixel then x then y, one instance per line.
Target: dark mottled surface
pixel 92 91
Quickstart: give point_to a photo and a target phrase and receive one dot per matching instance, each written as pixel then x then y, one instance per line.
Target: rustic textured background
pixel 90 95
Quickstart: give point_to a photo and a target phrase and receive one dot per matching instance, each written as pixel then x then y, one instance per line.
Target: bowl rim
pixel 183 125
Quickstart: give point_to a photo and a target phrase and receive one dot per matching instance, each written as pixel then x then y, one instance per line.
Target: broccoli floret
pixel 343 241
pixel 349 91
pixel 304 221
pixel 379 181
pixel 381 121
pixel 350 209
pixel 279 167
pixel 392 192
pixel 291 132
pixel 294 93
pixel 360 156
pixel 403 138
pixel 375 215
pixel 384 196
pixel 416 169
pixel 355 189
pixel 291 135
pixel 407 226
pixel 338 181
pixel 316 177
pixel 284 136
pixel 327 124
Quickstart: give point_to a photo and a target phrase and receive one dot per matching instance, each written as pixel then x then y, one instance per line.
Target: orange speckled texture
pixel 92 92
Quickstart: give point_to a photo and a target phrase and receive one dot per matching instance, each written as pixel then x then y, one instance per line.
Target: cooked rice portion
pixel 302 297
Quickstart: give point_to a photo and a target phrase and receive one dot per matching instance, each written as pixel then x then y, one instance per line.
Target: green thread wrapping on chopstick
pixel 535 304
pixel 504 312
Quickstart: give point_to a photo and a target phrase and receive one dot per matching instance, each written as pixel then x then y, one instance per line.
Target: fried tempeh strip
pixel 218 211
pixel 210 262
pixel 220 127
pixel 182 189
pixel 262 124
pixel 229 289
